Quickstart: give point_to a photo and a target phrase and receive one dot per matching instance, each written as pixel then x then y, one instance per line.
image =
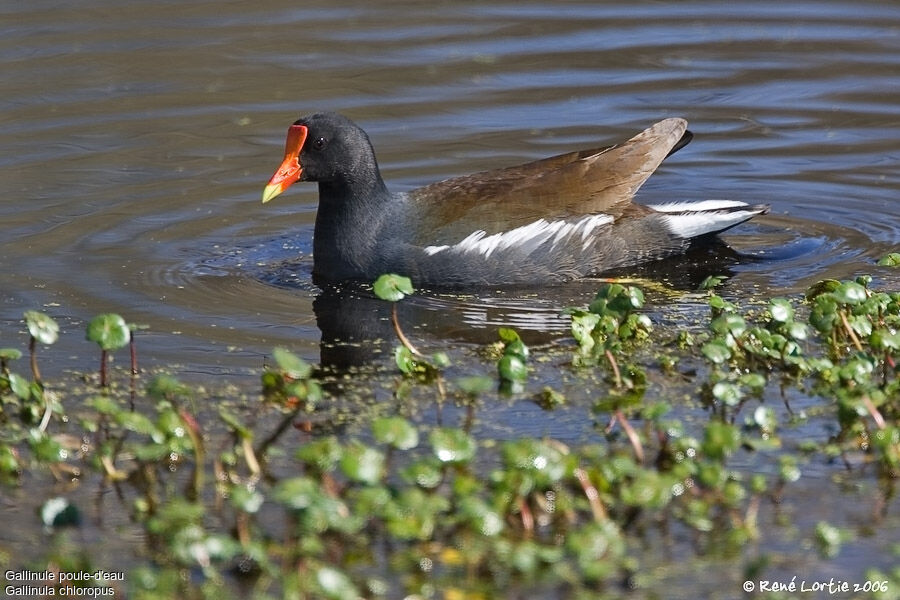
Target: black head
pixel 327 148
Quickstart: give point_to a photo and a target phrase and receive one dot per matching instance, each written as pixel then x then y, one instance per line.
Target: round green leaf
pixel 297 492
pixel 720 439
pixel 396 431
pixel 393 288
pixel 10 354
pixel 517 348
pixel 727 393
pixel 828 539
pixel 336 585
pixel 781 310
pixel 41 327
pixel 475 384
pixel 824 286
pixel 508 334
pixel 890 260
pixel 512 368
pixel 291 364
pixel 712 281
pixel 716 351
pixel 850 292
pixel 405 360
pixel 19 386
pixel 362 463
pixel 452 445
pixel 109 330
pixel 729 323
pixel 323 453
pixel 765 418
pixel 246 499
pixel 440 360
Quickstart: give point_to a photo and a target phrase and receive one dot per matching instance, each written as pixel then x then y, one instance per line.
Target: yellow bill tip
pixel 270 192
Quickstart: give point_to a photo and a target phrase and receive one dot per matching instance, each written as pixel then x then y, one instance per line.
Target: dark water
pixel 136 137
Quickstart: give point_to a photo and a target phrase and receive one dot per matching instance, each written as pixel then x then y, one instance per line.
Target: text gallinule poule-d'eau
pixel 546 221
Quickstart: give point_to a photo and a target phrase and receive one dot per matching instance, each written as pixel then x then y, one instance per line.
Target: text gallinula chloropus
pixel 551 220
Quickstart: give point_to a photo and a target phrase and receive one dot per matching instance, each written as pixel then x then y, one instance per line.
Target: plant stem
pixel 102 368
pixel 615 367
pixel 850 331
pixel 32 349
pixel 592 495
pixel 632 436
pixel 400 335
pixel 133 348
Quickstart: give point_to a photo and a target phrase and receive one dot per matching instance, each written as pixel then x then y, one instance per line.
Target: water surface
pixel 136 137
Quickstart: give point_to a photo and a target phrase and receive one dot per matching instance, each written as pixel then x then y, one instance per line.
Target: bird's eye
pixel 319 143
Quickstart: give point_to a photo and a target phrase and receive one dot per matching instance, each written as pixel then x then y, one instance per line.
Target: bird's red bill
pixel 290 168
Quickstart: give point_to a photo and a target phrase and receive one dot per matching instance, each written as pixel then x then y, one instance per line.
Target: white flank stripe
pixel 693 224
pixel 527 238
pixel 696 206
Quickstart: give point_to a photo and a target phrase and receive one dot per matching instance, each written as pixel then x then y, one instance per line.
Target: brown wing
pixel 600 180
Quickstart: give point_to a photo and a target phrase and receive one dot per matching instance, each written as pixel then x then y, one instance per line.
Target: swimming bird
pixel 542 222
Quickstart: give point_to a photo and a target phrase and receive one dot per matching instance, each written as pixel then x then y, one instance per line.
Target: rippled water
pixel 136 137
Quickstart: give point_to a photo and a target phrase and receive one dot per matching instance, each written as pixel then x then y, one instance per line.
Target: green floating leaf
pixel 765 418
pixel 788 469
pixel 235 424
pixel 549 398
pixel 719 304
pixel 729 323
pixel 716 351
pixel 712 281
pixel 828 539
pixel 246 499
pixel 720 439
pixel 727 393
pixel 392 288
pixel 426 472
pixel 9 461
pixel 109 330
pixel 166 386
pixel 475 385
pixel 885 340
pixel 361 463
pixel 405 360
pixel 396 431
pixel 291 364
pixel 440 360
pixel 414 514
pixel 41 327
pixel 825 286
pixel 582 327
pixel 452 445
pixel 20 386
pixel 324 454
pixel 781 310
pixel 616 300
pixel 336 585
pixel 508 335
pixel 10 354
pixel 297 492
pixel 890 260
pixel 512 368
pixel 850 292
pixel 516 348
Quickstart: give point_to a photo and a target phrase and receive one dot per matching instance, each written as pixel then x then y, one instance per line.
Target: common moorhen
pixel 546 221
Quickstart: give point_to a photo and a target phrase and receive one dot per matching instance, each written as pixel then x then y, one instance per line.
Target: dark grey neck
pixel 351 215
